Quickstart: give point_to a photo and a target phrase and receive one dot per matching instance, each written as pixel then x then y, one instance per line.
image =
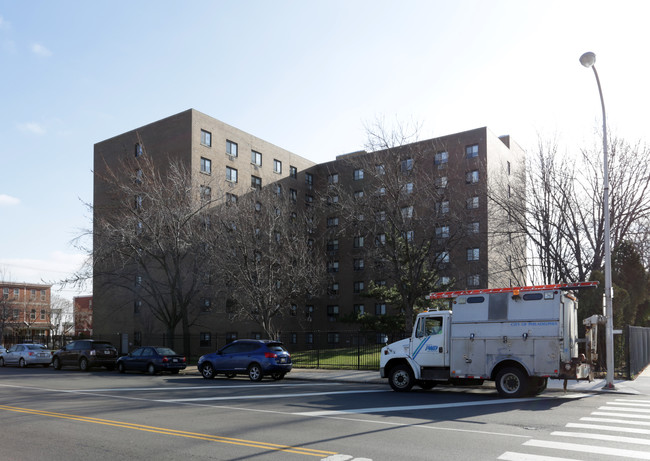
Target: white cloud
pixel 4 24
pixel 40 50
pixel 8 200
pixel 31 127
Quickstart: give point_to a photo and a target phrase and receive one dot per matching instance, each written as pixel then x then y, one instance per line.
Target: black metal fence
pixel 637 340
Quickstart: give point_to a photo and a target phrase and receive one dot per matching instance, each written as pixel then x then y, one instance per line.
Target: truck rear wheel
pixel 401 378
pixel 512 382
pixel 537 385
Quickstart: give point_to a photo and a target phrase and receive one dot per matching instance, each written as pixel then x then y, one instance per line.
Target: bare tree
pixel 268 260
pixel 403 216
pixel 149 243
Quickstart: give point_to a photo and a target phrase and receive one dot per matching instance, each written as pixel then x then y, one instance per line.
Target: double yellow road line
pixel 164 431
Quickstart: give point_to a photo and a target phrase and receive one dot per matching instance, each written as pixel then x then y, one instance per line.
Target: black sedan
pixel 153 360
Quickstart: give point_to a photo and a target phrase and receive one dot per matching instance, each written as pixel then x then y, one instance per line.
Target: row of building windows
pixel 14 314
pixel 205 338
pixel 16 293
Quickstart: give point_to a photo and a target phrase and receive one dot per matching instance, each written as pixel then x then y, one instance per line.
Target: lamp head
pixel 588 59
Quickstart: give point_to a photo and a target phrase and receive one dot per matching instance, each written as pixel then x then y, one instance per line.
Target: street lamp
pixel 588 60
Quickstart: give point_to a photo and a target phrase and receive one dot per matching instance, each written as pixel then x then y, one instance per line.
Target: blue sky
pixel 304 75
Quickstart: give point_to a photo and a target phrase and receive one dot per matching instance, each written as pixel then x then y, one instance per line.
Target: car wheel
pixel 401 378
pixel 120 368
pixel 230 375
pixel 83 364
pixel 207 370
pixel 56 363
pixel 255 372
pixel 151 369
pixel 537 385
pixel 512 382
pixel 22 363
pixel 2 362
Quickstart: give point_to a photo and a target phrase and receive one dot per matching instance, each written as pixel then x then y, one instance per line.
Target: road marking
pixel 624 415
pixel 165 431
pixel 512 456
pixel 601 427
pixel 267 396
pixel 609 438
pixel 167 389
pixel 416 407
pixel 634 410
pixel 588 449
pixel 617 421
pixel 629 403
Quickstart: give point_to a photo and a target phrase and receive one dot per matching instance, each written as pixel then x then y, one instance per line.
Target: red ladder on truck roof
pixel 516 290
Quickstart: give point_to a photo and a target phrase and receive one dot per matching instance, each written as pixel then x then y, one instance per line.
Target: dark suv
pixel 85 354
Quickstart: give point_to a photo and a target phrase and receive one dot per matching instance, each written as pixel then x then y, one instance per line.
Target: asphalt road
pixel 70 415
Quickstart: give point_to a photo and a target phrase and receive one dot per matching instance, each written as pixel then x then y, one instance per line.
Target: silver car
pixel 26 354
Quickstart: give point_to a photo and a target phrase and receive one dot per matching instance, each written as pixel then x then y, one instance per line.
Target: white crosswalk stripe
pixel 618 429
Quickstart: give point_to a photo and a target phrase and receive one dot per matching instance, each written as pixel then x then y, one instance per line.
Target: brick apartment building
pixel 462 168
pixel 25 312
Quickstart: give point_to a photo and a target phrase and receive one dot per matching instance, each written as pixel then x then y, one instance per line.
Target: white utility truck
pixel 517 337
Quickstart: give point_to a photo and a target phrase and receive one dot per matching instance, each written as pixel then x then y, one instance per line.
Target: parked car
pixel 86 354
pixel 152 360
pixel 2 349
pixel 256 358
pixel 24 355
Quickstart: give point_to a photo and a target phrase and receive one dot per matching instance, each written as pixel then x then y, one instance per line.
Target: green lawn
pixel 342 358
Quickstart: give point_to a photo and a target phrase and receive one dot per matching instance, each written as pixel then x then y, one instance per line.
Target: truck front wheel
pixel 512 382
pixel 401 378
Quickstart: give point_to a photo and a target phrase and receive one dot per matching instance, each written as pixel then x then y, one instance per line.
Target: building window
pixel 309 199
pixel 442 207
pixel 358 241
pixel 333 266
pixel 293 172
pixel 309 311
pixel 16 292
pixel 333 338
pixel 206 304
pixel 440 182
pixel 358 174
pixel 358 193
pixel 408 188
pixel 473 281
pixel 43 314
pixel 406 165
pixel 471 151
pixel 442 232
pixel 332 199
pixel 206 193
pixel 293 310
pixel 32 314
pixel 359 309
pixel 293 193
pixel 278 189
pixel 138 176
pixel 277 166
pixel 32 294
pixel 441 158
pixel 407 212
pixel 472 203
pixel 256 158
pixel 205 339
pixel 380 240
pixel 138 202
pixel 206 165
pixel 309 180
pixel 359 287
pixel 256 183
pixel 473 227
pixel 508 167
pixel 472 254
pixel 206 138
pixel 332 245
pixel 231 148
pixel 471 177
pixel 231 336
pixel 334 288
pixel 358 264
pixel 333 178
pixel 231 198
pixel 332 221
pixel 442 257
pixel 409 236
pixel 333 310
pixel 380 309
pixel 138 149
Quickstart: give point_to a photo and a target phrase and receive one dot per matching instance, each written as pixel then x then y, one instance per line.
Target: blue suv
pixel 254 357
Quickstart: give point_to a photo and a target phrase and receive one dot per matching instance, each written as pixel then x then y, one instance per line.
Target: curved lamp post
pixel 588 60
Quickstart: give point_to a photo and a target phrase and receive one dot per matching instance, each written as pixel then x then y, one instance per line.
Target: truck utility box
pixel 518 337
